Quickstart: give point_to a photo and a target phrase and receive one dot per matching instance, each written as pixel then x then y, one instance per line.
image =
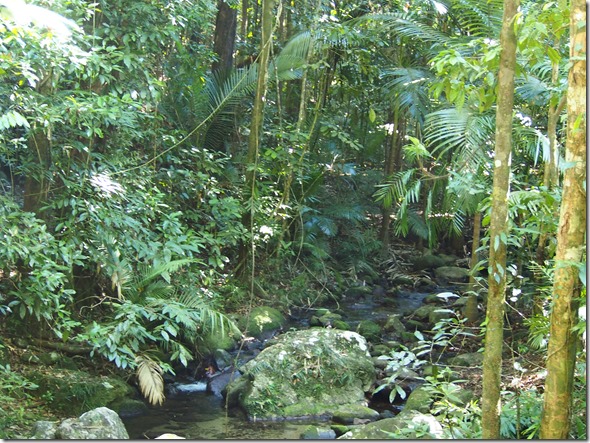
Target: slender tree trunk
pixel 470 311
pixel 561 351
pixel 37 181
pixel 551 173
pixel 392 164
pixel 255 130
pixel 499 228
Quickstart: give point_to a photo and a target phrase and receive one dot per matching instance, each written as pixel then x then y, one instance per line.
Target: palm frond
pixel 408 88
pixel 404 25
pixel 461 131
pixel 395 188
pixel 478 17
pixel 149 376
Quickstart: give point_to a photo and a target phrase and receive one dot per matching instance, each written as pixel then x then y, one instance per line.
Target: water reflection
pixel 202 416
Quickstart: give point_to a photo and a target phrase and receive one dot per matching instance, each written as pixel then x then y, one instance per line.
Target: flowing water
pixel 196 414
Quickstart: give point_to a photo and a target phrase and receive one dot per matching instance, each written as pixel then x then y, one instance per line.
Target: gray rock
pixel 314 370
pixel 97 424
pixel 44 430
pixel 217 383
pixel 223 359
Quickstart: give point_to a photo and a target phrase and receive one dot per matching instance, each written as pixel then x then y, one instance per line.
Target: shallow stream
pixel 197 415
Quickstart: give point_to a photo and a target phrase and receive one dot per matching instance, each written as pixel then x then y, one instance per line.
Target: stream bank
pixel 192 412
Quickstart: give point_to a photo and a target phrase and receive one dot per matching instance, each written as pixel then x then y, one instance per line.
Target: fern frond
pixel 149 376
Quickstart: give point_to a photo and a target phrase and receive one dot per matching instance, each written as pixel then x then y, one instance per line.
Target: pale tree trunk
pixel 470 311
pixel 37 181
pixel 551 172
pixel 499 228
pixel 392 164
pixel 561 351
pixel 256 129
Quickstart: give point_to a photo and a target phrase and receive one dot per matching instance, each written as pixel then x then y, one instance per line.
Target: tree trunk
pixel 492 363
pixel 392 164
pixel 470 311
pixel 561 352
pixel 551 172
pixel 37 180
pixel 225 37
pixel 255 130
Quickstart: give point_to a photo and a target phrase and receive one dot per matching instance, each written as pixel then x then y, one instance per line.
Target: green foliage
pixel 35 278
pixel 446 334
pixel 14 385
pixel 520 414
pixel 397 361
pixel 460 419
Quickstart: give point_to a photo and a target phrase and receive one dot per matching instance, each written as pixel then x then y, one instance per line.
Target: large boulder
pixel 97 424
pixel 306 373
pixel 406 425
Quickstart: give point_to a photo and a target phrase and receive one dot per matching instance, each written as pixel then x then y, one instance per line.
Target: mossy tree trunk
pixel 561 351
pixel 499 227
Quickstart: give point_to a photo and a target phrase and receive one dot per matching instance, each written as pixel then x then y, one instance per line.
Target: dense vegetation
pixel 154 182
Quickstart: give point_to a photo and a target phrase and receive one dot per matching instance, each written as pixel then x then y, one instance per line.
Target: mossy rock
pixel 380 349
pixel 370 330
pixel 75 392
pixel 217 340
pixel 326 319
pixel 340 429
pixel 451 274
pixel 128 407
pixel 262 319
pixel 423 312
pixel 342 325
pixel 419 400
pixel 469 360
pixel 428 261
pixel 306 373
pixel 346 414
pixel 359 292
pixel 394 324
pixel 318 433
pixel 406 425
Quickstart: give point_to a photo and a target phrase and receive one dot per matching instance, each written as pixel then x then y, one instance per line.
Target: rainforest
pixel 275 219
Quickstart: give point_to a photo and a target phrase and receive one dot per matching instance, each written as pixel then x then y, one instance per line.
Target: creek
pixel 195 414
